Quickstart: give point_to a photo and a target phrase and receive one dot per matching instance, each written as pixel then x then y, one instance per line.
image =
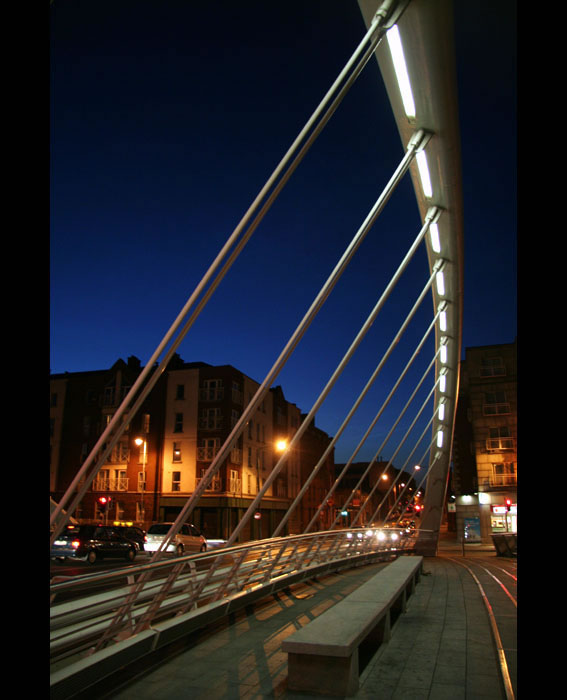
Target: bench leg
pixel 323 675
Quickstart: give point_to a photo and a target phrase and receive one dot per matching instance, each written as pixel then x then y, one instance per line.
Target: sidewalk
pixel 441 648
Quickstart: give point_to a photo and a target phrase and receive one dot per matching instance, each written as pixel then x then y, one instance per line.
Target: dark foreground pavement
pixel 441 648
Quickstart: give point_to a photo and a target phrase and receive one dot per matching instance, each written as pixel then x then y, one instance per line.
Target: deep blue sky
pixel 166 120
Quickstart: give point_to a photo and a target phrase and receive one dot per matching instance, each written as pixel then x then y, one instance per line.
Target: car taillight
pixel 75 544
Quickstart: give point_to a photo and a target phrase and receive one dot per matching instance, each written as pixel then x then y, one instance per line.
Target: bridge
pixel 102 622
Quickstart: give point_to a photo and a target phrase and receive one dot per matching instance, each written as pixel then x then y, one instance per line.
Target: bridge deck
pixel 441 647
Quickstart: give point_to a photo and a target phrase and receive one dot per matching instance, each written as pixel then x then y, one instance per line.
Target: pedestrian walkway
pixel 441 648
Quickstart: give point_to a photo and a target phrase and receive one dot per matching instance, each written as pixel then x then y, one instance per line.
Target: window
pixel 499 439
pixel 180 391
pixel 124 452
pixel 108 396
pixel 207 449
pixel 234 481
pixel 176 452
pixel 211 390
pixel 178 427
pixel 210 419
pixel 236 393
pixel 503 474
pixel 141 481
pixel 495 404
pixel 492 367
pixel 176 481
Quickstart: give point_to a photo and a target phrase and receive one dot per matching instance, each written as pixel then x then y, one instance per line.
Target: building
pixel 171 443
pixel 485 457
pixel 81 406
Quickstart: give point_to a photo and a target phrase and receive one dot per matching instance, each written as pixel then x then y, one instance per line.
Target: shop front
pixel 504 517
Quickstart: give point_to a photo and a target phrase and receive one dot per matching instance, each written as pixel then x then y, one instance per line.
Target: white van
pixel 187 541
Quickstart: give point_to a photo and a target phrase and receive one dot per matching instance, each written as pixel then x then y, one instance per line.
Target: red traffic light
pixel 508 503
pixel 103 502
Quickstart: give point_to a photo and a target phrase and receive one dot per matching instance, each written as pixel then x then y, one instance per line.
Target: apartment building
pixel 171 444
pixel 485 458
pixel 82 405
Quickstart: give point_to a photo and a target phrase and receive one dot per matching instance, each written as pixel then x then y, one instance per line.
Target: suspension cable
pixel 116 427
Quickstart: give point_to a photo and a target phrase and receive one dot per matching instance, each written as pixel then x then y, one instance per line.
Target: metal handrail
pixel 184 585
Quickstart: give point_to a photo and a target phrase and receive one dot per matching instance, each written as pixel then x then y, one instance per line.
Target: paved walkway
pixel 441 648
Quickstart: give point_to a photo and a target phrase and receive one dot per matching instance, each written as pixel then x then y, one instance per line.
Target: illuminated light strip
pixel 443 351
pixel 443 321
pixel 440 281
pixel 434 237
pixel 443 380
pixel 424 173
pixel 395 44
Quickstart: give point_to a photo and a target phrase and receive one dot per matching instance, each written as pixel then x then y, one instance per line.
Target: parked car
pixel 136 534
pixel 187 540
pixel 92 542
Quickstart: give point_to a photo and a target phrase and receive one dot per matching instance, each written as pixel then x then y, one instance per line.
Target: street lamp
pixel 280 445
pixel 140 441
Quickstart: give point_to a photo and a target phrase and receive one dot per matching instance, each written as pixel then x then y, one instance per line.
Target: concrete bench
pixel 323 656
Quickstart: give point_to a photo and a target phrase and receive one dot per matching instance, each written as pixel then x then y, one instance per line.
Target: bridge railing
pixel 87 612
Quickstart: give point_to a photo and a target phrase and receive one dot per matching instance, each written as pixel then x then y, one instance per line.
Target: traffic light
pixel 508 504
pixel 103 503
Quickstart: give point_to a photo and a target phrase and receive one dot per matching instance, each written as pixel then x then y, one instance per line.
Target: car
pixel 187 540
pixel 91 543
pixel 131 532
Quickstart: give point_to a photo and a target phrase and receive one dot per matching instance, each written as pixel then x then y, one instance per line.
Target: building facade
pixel 171 443
pixel 485 458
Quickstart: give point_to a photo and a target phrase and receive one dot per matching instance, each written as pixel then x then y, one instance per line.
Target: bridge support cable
pixel 420 483
pixel 432 216
pixel 379 450
pixel 334 440
pixel 402 470
pixel 399 498
pixel 145 383
pixel 416 143
pixel 399 447
pixel 376 418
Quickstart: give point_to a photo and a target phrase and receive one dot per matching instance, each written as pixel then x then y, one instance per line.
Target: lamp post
pixel 280 446
pixel 139 442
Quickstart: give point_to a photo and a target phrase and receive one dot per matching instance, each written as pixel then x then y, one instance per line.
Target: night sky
pixel 166 120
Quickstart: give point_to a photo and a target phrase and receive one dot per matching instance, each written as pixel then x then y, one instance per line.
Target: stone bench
pixel 323 656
